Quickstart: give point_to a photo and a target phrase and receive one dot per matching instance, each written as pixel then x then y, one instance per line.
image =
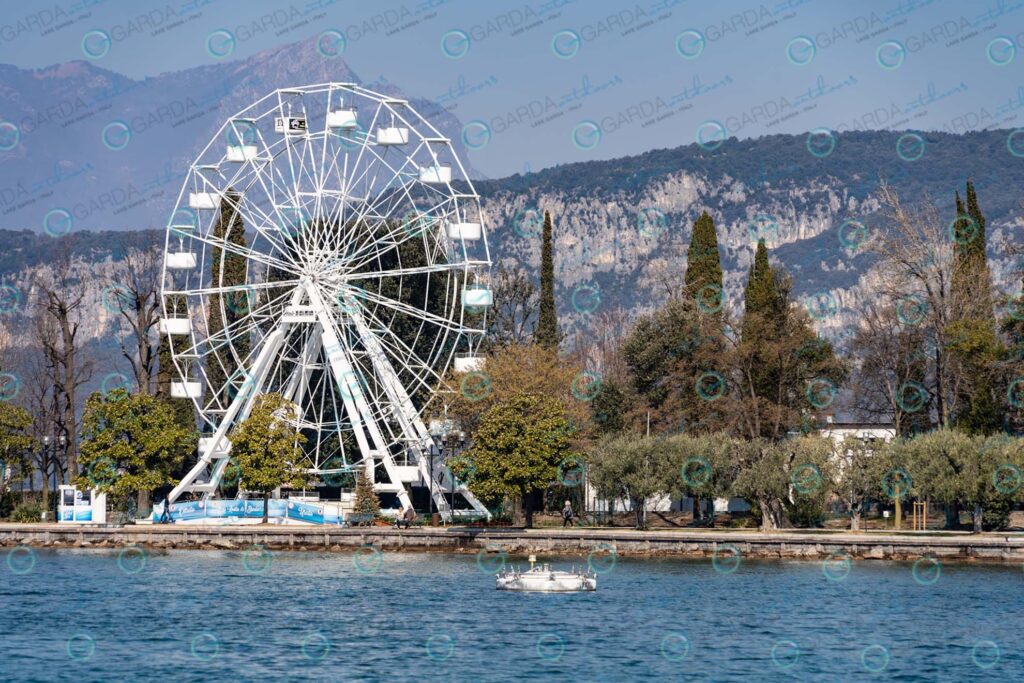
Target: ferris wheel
pixel 328 245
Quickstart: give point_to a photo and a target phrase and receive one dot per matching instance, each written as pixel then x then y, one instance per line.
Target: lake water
pixel 90 615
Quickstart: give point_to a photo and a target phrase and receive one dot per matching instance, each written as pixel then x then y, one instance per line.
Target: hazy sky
pixel 551 81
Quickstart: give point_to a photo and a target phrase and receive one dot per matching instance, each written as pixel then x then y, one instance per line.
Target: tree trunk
pixel 952 516
pixel 142 508
pixel 767 523
pixel 899 508
pixel 266 507
pixel 697 516
pixel 518 519
pixel 640 508
pixel 528 510
pixel 70 394
pixel 978 516
pixel 855 518
pixel 773 516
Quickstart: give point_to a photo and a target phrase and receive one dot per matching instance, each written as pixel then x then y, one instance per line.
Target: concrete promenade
pixel 811 545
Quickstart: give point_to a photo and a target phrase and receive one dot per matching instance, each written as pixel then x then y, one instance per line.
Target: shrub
pixel 7 504
pixel 996 514
pixel 27 513
pixel 806 511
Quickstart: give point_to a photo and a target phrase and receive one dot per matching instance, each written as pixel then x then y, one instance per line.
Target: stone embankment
pixel 622 542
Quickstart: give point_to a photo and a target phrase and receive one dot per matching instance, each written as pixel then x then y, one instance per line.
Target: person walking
pixel 567 515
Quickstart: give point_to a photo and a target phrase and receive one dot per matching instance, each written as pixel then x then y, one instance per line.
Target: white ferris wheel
pixel 327 245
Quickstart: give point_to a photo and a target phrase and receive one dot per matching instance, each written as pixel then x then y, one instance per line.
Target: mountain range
pixel 59 158
pixel 621 225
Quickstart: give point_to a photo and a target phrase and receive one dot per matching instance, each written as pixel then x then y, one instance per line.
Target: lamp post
pixel 63 444
pixel 459 443
pixel 433 454
pixel 46 472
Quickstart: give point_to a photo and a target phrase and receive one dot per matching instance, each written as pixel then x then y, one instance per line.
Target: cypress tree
pixel 977 245
pixel 761 297
pixel 224 313
pixel 703 264
pixel 779 351
pixel 546 334
pixel 973 331
pixel 703 281
pixel 961 225
pixel 609 407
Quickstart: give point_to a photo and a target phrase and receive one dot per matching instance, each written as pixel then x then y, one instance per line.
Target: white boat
pixel 543 579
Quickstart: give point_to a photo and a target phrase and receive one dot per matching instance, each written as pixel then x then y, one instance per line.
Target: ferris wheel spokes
pixel 350 302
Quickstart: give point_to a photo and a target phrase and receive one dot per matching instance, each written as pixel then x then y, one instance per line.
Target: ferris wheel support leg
pixel 354 398
pixel 299 382
pixel 237 411
pixel 412 424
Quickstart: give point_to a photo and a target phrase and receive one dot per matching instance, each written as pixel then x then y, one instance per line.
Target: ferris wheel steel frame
pixel 327 314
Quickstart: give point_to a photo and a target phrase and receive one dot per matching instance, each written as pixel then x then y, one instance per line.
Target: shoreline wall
pixel 621 542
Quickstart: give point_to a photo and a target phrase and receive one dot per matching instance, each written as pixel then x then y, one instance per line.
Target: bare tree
pixel 516 303
pixel 42 400
pixel 891 357
pixel 61 297
pixel 919 266
pixel 608 332
pixel 137 298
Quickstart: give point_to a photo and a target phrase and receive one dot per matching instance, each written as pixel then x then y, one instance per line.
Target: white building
pixel 867 431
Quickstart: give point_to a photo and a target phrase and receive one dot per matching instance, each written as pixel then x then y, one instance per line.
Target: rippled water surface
pixel 90 615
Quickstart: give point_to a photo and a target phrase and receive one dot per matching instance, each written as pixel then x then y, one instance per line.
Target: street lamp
pixel 46 469
pixel 433 453
pixel 63 443
pixel 443 452
pixel 458 444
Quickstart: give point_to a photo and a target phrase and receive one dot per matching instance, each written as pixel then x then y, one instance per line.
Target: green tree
pixel 973 329
pixel 765 296
pixel 228 269
pixel 781 372
pixel 518 447
pixel 131 445
pixel 609 408
pixel 703 263
pixel 781 478
pixel 1012 327
pixel 857 479
pixel 366 504
pixel 547 334
pixel 267 449
pixel 703 468
pixel 764 313
pixel 632 467
pixel 971 471
pixel 16 444
pixel 665 354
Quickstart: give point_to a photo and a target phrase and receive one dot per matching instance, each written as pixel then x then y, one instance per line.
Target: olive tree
pixel 631 467
pixel 784 478
pixel 702 468
pixel 857 475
